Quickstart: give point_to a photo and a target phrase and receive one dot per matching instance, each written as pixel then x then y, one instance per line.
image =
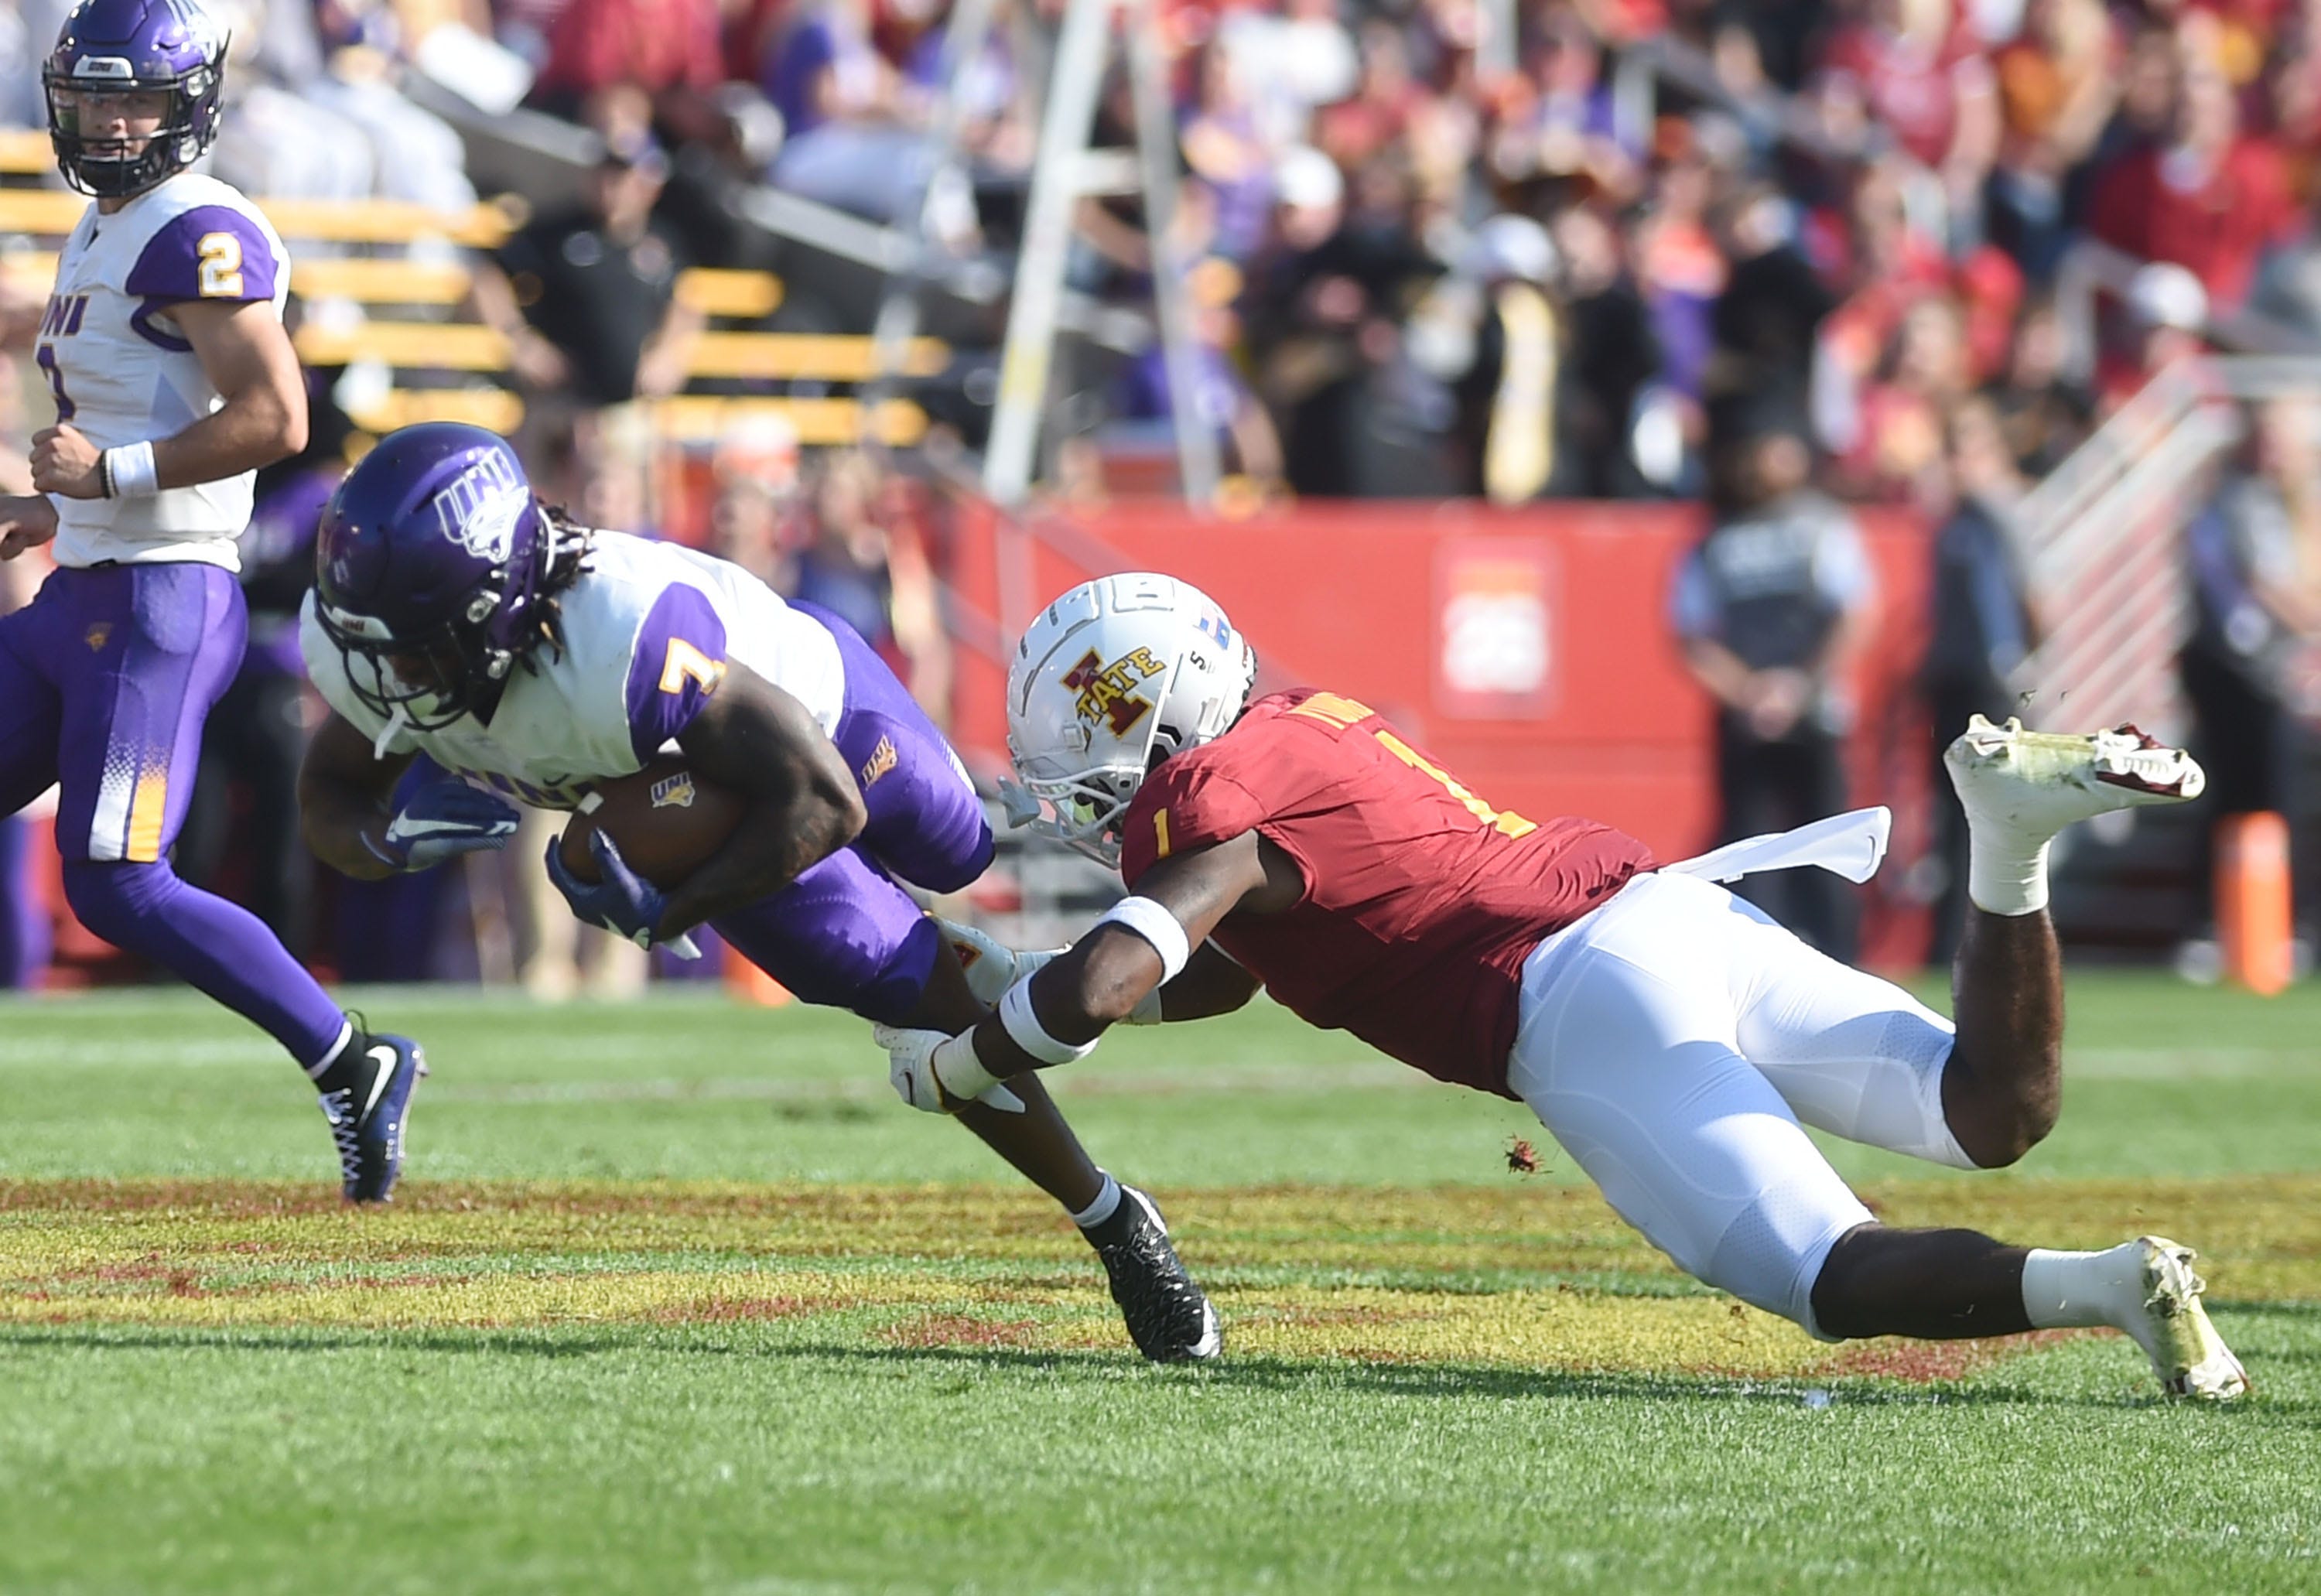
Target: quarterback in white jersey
pixel 456 616
pixel 174 382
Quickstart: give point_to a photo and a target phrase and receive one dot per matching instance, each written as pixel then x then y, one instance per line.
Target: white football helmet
pixel 1113 677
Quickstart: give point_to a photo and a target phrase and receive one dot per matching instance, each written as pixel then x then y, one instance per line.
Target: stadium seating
pixel 414 318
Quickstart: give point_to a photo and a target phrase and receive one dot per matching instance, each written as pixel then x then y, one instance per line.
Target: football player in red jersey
pixel 1668 1034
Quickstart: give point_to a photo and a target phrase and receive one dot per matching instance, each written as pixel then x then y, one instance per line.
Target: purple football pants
pixel 105 678
pixel 844 933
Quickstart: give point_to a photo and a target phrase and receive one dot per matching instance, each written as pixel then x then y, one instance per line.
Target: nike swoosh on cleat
pixel 383 1057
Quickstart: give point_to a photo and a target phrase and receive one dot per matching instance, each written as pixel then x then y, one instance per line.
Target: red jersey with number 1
pixel 1420 902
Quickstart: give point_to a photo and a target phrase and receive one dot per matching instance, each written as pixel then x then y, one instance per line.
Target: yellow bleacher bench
pixel 818 422
pixel 807 356
pixel 445 346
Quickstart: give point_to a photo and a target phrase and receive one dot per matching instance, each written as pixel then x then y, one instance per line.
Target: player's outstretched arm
pixel 247 356
pixel 342 799
pixel 1056 1016
pixel 761 741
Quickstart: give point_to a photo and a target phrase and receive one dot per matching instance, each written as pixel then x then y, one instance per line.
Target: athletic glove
pixel 444 819
pixel 939 1074
pixel 622 902
pixel 992 967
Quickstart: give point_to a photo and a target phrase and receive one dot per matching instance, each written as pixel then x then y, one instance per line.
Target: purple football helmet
pixel 434 554
pixel 172 48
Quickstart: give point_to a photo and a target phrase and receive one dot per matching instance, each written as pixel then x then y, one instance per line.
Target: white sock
pixel 1107 1202
pixel 2006 871
pixel 346 1034
pixel 2076 1291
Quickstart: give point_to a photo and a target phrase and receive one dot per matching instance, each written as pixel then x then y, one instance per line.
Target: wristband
pixel 126 471
pixel 1157 927
pixel 1025 1031
pixel 958 1070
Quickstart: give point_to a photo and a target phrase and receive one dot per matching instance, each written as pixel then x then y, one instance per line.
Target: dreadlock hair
pixel 564 562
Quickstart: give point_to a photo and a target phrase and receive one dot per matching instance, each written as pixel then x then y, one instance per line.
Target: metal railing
pixel 2103 541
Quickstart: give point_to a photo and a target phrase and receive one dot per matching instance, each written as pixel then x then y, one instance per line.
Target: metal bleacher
pixel 410 312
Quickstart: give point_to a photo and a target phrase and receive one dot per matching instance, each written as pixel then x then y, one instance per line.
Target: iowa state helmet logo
pixel 1109 692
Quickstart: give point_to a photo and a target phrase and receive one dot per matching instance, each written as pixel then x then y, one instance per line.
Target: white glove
pixel 991 966
pixel 939 1074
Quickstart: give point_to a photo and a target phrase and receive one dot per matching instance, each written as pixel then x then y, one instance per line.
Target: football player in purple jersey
pixel 174 382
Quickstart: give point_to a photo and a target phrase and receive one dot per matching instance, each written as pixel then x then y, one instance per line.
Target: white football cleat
pixel 2186 1354
pixel 2035 783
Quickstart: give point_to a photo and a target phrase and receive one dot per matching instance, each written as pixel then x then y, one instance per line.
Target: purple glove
pixel 624 902
pixel 444 819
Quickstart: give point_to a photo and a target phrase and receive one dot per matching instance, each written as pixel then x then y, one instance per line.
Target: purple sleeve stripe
pixel 208 253
pixel 141 320
pixel 678 661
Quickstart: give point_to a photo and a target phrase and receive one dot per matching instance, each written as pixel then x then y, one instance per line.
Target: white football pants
pixel 1673 1039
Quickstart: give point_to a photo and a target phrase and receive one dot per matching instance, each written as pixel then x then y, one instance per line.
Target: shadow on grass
pixel 1417 1382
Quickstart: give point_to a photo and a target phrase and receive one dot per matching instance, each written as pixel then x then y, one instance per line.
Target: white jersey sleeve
pixel 122 371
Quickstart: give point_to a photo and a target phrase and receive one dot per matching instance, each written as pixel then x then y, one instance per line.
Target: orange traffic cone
pixel 2254 918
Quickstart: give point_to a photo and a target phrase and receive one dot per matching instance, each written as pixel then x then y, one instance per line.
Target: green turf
pixel 808 1453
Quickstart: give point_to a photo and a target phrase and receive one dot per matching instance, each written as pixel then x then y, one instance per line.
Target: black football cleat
pixel 1167 1317
pixel 367 1119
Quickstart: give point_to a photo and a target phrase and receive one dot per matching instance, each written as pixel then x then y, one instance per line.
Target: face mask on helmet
pixel 424 680
pixel 133 91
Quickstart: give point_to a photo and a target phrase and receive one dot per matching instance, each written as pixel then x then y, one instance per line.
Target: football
pixel 665 821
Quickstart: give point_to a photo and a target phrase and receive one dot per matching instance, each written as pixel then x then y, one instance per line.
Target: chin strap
pixel 397 718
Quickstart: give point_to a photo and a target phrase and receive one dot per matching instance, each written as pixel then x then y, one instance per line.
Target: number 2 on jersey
pixel 45 357
pixel 221 258
pixel 1506 825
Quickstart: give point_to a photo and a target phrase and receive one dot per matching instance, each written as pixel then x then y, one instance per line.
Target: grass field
pixel 678 1298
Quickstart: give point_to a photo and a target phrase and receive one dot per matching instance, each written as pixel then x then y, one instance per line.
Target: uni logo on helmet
pixel 481 507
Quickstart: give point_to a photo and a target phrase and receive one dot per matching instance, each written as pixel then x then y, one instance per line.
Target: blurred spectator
pixel 1610 353
pixel 2249 669
pixel 1770 608
pixel 1225 148
pixel 1222 397
pixel 1984 627
pixel 1567 130
pixel 587 298
pixel 1294 62
pixel 1768 321
pixel 2057 90
pixel 867 564
pixel 667 48
pixel 849 144
pixel 1508 397
pixel 1916 66
pixel 2043 414
pixel 2212 200
pixel 1897 455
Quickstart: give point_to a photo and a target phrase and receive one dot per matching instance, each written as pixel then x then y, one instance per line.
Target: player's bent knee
pixel 1839 1312
pixel 108 895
